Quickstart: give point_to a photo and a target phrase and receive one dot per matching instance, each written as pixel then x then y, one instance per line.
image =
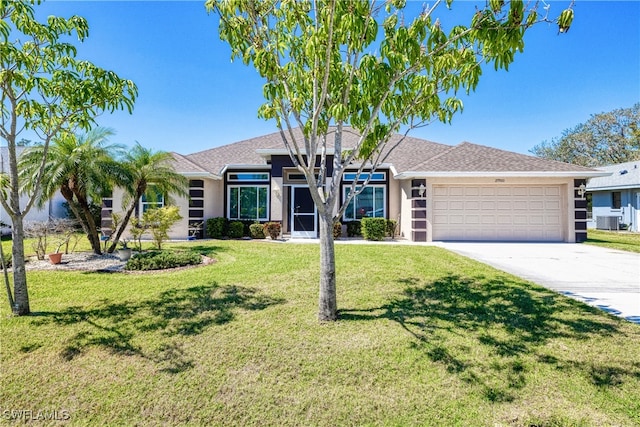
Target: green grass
pixel 425 338
pixel 622 240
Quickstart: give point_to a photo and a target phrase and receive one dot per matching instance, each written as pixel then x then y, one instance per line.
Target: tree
pixel 366 65
pixel 46 92
pixel 605 139
pixel 149 173
pixel 82 167
pixel 159 221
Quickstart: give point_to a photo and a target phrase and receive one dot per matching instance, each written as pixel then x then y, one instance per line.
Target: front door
pixel 303 213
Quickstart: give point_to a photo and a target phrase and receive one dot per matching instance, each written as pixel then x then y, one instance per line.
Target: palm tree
pixel 149 173
pixel 83 168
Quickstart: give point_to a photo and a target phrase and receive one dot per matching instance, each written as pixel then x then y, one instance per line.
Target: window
pixel 146 202
pixel 370 203
pixel 248 203
pixel 376 176
pixel 616 200
pixel 248 176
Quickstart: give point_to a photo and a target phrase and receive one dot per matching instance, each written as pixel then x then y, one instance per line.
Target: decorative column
pixel 419 210
pixel 580 209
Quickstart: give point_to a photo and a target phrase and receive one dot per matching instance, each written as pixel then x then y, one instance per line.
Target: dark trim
pixel 419 214
pixel 419 203
pixel 580 214
pixel 419 236
pixel 581 237
pixel 580 204
pixel 419 225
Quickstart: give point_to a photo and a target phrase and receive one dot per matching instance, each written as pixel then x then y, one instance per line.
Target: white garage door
pixel 488 212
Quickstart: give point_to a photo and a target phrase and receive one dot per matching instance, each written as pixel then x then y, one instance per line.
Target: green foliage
pixel 426 338
pixel 82 167
pixel 273 229
pixel 257 231
pixel 217 227
pixel 337 230
pixel 7 259
pixel 160 260
pixel 236 229
pixel 605 139
pixel 329 65
pixel 374 228
pixel 354 228
pixel 147 173
pixel 159 221
pixel 392 225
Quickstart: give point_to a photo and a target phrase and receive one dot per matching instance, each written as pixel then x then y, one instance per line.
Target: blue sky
pixel 192 97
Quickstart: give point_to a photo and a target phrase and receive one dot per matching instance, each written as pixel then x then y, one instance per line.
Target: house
pixel 615 198
pixel 434 191
pixel 54 208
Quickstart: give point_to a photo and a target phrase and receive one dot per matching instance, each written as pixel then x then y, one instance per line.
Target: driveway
pixel 605 278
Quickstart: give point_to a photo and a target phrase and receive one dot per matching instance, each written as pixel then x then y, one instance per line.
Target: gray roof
pixel 185 166
pixel 467 157
pixel 623 175
pixel 412 155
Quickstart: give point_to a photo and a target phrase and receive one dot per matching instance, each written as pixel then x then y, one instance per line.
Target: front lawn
pixel 426 338
pixel 622 240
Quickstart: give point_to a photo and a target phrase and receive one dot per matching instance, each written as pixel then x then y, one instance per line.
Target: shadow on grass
pixel 487 329
pixel 118 327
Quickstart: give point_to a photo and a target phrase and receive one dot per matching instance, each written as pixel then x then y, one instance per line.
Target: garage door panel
pixel 486 212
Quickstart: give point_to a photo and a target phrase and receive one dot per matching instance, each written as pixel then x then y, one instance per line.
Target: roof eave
pixel 244 167
pixel 496 174
pixel 614 187
pixel 207 175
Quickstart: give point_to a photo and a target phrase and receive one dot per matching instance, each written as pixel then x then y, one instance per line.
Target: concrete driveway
pixel 605 278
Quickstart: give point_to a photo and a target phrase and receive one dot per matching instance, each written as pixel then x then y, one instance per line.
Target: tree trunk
pixel 20 292
pixel 327 304
pixel 123 225
pixel 92 232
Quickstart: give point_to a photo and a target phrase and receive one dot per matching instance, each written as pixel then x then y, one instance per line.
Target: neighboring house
pixel 434 191
pixel 53 209
pixel 615 198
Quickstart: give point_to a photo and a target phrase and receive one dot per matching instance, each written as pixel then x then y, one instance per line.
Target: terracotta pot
pixel 55 258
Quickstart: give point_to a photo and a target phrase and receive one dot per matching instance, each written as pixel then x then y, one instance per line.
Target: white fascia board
pixel 207 175
pixel 518 174
pixel 244 167
pixel 614 187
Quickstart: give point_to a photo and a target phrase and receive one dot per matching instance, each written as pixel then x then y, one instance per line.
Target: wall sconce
pixel 422 190
pixel 582 190
pixel 276 193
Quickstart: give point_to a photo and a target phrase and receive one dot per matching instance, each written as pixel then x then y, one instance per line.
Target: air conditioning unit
pixel 608 222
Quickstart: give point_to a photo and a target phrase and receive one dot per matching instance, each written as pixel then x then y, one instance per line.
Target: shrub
pixel 7 259
pixel 391 227
pixel 159 221
pixel 272 229
pixel 374 228
pixel 257 231
pixel 217 227
pixel 337 230
pixel 236 229
pixel 160 260
pixel 246 230
pixel 354 228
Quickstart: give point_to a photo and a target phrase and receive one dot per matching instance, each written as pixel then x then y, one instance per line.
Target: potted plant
pixel 272 229
pixel 124 252
pixel 56 257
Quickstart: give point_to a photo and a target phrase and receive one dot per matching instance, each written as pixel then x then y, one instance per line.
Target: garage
pixel 497 212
